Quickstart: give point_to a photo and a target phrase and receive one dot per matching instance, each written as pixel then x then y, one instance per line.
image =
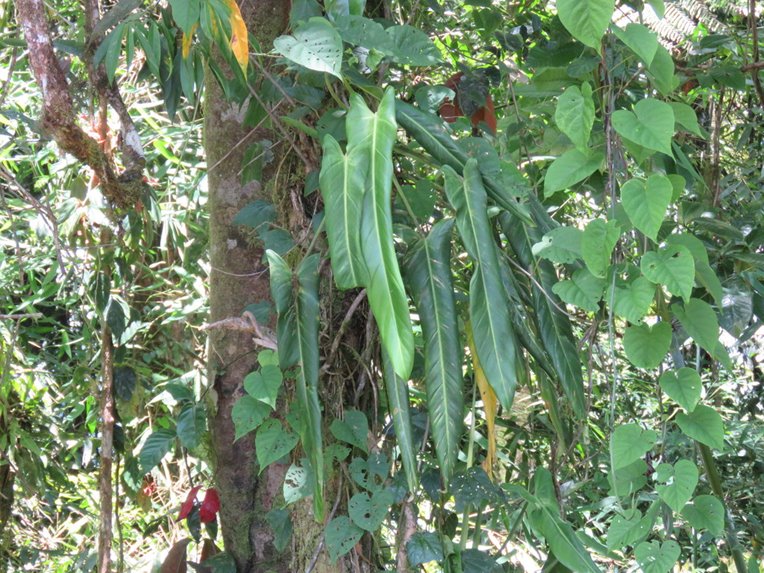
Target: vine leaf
pixel 369 511
pixel 645 202
pixel 699 320
pixel 705 512
pixel 671 266
pixel 571 167
pixel 341 536
pixel 315 45
pixel 654 557
pixel 632 299
pixel 428 271
pixel 703 424
pixel 629 443
pixel 574 114
pixel 586 20
pixel 640 40
pixel 679 482
pixel 272 443
pixel 683 386
pixel 597 244
pixel 645 345
pixel 650 125
pixel 583 290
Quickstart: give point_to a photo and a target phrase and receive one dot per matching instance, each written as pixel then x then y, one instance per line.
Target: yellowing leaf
pixel 490 405
pixel 239 38
pixel 187 39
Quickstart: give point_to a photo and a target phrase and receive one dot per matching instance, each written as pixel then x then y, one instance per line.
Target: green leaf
pixel 307 313
pixel 640 40
pixel 353 430
pixel 398 401
pixel 412 47
pixel 632 299
pixel 376 132
pixel 283 299
pixel 424 547
pixel 662 71
pixel 627 529
pixel 561 245
pixel 699 320
pixel 628 480
pixel 372 472
pixel 342 182
pixel 570 168
pixel 672 266
pixel 629 443
pixel 574 114
pixel 680 481
pixel 368 512
pixel 494 337
pixel 429 276
pixel 297 483
pixel 255 214
pixel 645 202
pixel 247 414
pixel 703 424
pixel 705 512
pixel 192 423
pixel 650 125
pixel 273 442
pixel 654 557
pixel 646 346
pixel 186 13
pixel 156 446
pixel 683 386
pixel 341 535
pixel 264 384
pixel 597 243
pixel 281 525
pixel 692 243
pixel 360 31
pixel 315 45
pixel 685 117
pixel 583 290
pixel 586 20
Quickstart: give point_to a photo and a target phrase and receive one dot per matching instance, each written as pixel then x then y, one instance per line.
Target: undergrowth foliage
pixel 516 308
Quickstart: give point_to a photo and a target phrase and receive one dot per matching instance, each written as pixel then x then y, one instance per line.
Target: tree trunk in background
pixel 238 278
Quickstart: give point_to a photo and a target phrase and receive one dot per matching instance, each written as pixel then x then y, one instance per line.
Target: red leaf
pixel 188 505
pixel 210 506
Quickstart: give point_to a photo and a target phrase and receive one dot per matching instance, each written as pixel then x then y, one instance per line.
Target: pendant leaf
pixel 429 274
pixel 398 399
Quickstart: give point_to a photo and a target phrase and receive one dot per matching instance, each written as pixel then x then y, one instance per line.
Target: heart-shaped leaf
pixel 646 346
pixel 705 512
pixel 570 168
pixel 650 125
pixel 597 243
pixel 683 386
pixel 629 443
pixel 672 266
pixel 654 557
pixel 703 424
pixel 353 429
pixel 368 512
pixel 627 529
pixel 575 114
pixel 586 20
pixel 645 202
pixel 583 290
pixel 272 443
pixel 370 473
pixel 315 45
pixel 699 320
pixel 632 300
pixel 264 384
pixel 248 414
pixel 341 536
pixel 640 40
pixel 679 483
pixel 560 245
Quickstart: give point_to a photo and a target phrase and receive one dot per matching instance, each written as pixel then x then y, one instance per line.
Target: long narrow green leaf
pixel 307 311
pixel 283 299
pixel 489 306
pixel 428 130
pixel 342 181
pixel 429 275
pixel 376 133
pixel 398 400
pixel 553 325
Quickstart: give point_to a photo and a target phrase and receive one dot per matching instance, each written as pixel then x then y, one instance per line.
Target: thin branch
pixel 21 316
pixel 343 328
pixel 246 323
pixel 752 24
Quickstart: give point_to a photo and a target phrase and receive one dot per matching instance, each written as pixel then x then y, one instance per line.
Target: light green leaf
pixel 398 401
pixel 315 45
pixel 412 47
pixel 628 480
pixel 574 114
pixel 360 31
pixel 685 117
pixel 628 528
pixel 583 290
pixel 705 512
pixel 662 71
pixel 632 299
pixel 491 324
pixel 650 125
pixel 640 40
pixel 376 132
pixel 570 168
pixel 273 442
pixel 654 557
pixel 646 346
pixel 586 20
pixel 692 243
pixel 192 423
pixel 629 443
pixel 703 424
pixel 186 13
pixel 369 511
pixel 429 275
pixel 561 245
pixel 683 386
pixel 700 321
pixel 341 536
pixel 707 278
pixel 597 243
pixel 156 446
pixel 680 481
pixel 353 429
pixel 264 384
pixel 297 483
pixel 672 266
pixel 645 202
pixel 247 414
pixel 343 182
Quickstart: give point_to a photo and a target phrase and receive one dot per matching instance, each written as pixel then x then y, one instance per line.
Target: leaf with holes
pixel 247 414
pixel 560 245
pixel 273 442
pixel 340 536
pixel 368 512
pixel 705 512
pixel 629 443
pixel 683 386
pixel 370 473
pixel 672 266
pixel 646 346
pixel 424 547
pixel 354 429
pixel 654 557
pixel 645 202
pixel 678 483
pixel 297 482
pixel 315 45
pixel 703 424
pixel 650 125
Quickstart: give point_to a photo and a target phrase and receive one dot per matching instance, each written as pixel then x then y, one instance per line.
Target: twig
pixel 246 323
pixel 342 329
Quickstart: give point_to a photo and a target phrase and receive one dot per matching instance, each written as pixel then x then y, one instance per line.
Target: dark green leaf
pixel 247 414
pixel 353 429
pixel 272 443
pixel 424 547
pixel 156 446
pixel 341 536
pixel 398 401
pixel 192 423
pixel 646 346
pixel 368 512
